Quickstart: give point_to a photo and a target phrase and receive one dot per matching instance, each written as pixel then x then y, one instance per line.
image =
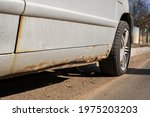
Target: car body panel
pixel 46 33
pixel 55 24
pixel 33 61
pixel 6 63
pixel 9 21
pixel 93 7
pixel 8 33
pixel 13 7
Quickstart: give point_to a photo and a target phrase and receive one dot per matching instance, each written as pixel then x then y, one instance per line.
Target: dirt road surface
pixel 85 82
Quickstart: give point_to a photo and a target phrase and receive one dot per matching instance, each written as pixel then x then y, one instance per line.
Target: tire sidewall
pixel 124 26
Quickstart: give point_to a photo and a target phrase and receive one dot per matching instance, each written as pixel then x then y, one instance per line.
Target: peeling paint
pixel 36 67
pixel 19 34
pixel 65 63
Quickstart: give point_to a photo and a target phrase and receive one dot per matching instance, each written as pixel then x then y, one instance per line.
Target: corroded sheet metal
pixel 33 61
pixel 55 32
pixel 27 62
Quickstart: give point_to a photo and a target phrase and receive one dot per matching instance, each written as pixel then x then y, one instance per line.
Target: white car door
pixel 57 24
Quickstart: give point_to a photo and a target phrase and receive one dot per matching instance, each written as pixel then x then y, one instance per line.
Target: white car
pixel 38 34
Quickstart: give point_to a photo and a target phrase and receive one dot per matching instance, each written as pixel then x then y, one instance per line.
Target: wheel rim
pixel 124 50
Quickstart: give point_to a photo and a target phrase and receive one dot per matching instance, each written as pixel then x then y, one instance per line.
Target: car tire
pixel 117 62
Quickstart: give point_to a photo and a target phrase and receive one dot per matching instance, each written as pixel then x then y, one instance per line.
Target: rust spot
pixel 36 67
pixel 62 64
pixel 94 46
pixel 82 57
pixel 19 33
pixel 30 68
pixel 90 58
pixel 66 60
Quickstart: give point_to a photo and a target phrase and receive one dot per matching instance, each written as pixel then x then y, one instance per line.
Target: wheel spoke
pixel 124 51
pixel 122 41
pixel 121 54
pixel 124 61
pixel 126 36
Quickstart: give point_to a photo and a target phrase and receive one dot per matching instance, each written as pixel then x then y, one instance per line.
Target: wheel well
pixel 128 18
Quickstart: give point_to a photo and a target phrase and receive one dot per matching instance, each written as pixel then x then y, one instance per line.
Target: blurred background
pixel 140 10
